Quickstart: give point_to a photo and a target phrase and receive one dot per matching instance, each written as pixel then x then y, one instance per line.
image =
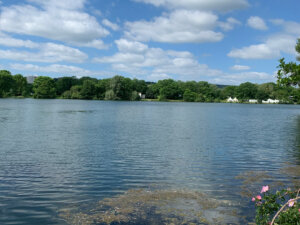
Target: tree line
pixel 122 88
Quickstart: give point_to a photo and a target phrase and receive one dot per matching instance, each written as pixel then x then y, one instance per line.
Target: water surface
pixel 57 153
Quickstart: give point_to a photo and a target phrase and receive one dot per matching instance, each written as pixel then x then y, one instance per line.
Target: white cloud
pixel 59 69
pixel 272 48
pixel 289 27
pixel 240 67
pixel 137 58
pixel 180 26
pixel 131 46
pixel 238 78
pixel 48 52
pixel 98 44
pixel 156 77
pixel 57 20
pixel 66 4
pixel 257 23
pixel 6 40
pixel 229 24
pixel 111 25
pixel 55 68
pixel 260 51
pixel 218 5
pixel 140 60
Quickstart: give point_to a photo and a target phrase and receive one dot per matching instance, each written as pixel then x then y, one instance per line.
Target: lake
pixel 60 154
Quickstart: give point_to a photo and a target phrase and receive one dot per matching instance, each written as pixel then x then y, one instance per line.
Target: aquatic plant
pixel 153 207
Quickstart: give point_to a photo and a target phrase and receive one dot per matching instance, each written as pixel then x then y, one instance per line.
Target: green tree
pixel 135 96
pixel 101 87
pixel 139 86
pixel 265 91
pixel 20 85
pixel 169 89
pixel 208 92
pixel 75 92
pixel 190 85
pixel 122 87
pixel 110 95
pixel 88 90
pixel 289 73
pixel 246 91
pixel 6 83
pixel 44 87
pixel 152 91
pixel 284 94
pixel 82 79
pixel 229 91
pixel 67 95
pixel 295 95
pixel 189 96
pixel 65 83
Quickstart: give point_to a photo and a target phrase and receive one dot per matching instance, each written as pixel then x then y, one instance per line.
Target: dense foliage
pixel 13 85
pixel 121 88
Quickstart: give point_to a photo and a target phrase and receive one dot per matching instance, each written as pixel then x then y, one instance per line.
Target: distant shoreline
pixel 148 100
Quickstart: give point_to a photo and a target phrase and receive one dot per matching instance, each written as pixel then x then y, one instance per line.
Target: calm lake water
pixel 56 153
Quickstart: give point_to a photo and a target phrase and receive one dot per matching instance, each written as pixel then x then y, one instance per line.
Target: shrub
pixel 281 208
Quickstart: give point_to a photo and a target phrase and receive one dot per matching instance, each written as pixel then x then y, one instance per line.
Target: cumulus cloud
pixel 289 27
pixel 137 58
pixel 131 46
pixel 217 5
pixel 59 69
pixel 274 45
pixel 272 48
pixel 98 44
pixel 6 40
pixel 180 26
pixel 238 78
pixel 240 67
pixel 58 20
pixel 111 25
pixel 257 23
pixel 54 68
pixel 66 4
pixel 157 76
pixel 229 24
pixel 47 52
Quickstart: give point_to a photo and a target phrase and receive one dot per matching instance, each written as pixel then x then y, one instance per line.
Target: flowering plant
pixel 281 208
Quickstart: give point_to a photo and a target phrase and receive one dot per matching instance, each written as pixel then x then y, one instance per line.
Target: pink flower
pixel 253 199
pixel 264 189
pixel 291 202
pixel 258 197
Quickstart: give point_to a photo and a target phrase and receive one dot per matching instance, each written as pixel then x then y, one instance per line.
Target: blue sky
pixel 219 41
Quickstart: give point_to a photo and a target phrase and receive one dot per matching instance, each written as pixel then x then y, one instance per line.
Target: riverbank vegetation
pixel 122 88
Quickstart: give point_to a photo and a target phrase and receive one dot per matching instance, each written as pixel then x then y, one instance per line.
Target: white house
pixel 253 101
pixel 232 99
pixel 271 101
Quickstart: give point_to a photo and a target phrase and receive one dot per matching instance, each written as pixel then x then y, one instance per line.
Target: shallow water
pixel 55 154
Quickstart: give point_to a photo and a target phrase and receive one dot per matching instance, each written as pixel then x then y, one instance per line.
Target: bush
pixel 281 208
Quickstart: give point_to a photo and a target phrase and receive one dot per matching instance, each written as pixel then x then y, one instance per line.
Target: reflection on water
pixel 57 153
pixel 75 111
